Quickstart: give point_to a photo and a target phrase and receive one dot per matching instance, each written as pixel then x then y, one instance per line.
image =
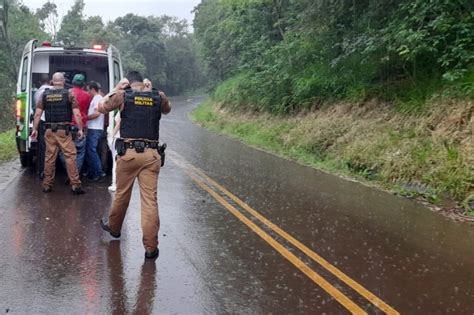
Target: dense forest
pixel 286 55
pixel 161 47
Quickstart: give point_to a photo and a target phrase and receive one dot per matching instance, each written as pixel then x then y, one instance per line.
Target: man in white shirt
pixel 41 146
pixel 95 124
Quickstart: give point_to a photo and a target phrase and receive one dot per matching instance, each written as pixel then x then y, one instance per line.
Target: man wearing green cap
pixel 83 99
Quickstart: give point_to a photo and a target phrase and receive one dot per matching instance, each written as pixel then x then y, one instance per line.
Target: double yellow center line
pixel 215 190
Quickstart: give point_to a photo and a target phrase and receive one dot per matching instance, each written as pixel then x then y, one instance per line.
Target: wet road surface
pixel 242 232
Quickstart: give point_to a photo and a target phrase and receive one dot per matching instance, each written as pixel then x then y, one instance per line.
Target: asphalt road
pixel 242 232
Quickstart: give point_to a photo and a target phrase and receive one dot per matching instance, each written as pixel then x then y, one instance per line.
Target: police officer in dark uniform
pixel 137 155
pixel 59 105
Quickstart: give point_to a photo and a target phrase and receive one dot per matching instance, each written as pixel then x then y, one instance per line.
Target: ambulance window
pixel 24 74
pixel 116 73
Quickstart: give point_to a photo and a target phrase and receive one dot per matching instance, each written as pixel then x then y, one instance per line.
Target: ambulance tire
pixel 32 161
pixel 24 159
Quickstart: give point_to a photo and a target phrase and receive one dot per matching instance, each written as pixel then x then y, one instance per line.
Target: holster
pixel 161 151
pixel 139 146
pixel 56 126
pixel 120 146
pixel 74 131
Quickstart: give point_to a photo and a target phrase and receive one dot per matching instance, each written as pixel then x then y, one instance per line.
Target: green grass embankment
pixel 8 149
pixel 429 155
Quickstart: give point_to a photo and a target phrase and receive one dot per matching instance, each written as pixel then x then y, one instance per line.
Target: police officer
pixel 59 105
pixel 138 157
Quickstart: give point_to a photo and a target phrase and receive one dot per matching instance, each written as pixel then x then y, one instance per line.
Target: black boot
pixel 152 254
pixel 104 224
pixel 78 191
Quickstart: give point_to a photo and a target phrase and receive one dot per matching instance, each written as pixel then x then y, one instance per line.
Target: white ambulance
pixel 97 63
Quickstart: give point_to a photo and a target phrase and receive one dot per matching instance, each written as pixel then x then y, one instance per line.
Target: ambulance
pixel 97 63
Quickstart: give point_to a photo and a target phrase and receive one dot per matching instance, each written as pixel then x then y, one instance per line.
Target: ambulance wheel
pixel 24 158
pixel 32 161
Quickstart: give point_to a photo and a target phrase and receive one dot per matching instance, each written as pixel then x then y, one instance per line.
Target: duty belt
pixel 58 126
pixel 140 145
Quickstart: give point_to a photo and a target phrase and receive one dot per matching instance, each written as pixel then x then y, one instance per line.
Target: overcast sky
pixel 111 9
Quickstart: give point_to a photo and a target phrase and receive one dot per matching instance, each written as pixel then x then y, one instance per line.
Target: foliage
pixel 468 205
pixel 49 19
pixel 204 113
pixel 300 54
pixel 22 25
pixel 72 26
pixel 161 48
pixel 7 145
pixel 439 32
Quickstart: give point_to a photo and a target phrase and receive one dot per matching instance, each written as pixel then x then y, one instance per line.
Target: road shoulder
pixel 8 172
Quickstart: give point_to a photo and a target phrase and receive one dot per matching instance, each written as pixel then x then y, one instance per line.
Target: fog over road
pixel 242 231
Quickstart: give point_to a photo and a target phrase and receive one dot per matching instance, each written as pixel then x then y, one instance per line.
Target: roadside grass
pixel 429 156
pixel 195 92
pixel 204 113
pixel 469 205
pixel 7 145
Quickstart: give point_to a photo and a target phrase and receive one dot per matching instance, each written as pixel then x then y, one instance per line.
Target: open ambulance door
pixel 24 99
pixel 115 75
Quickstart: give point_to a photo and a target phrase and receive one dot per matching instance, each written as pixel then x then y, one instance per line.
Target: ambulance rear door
pixel 24 96
pixel 115 74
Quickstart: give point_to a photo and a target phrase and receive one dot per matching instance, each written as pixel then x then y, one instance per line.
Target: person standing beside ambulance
pixel 83 101
pixel 94 133
pixel 59 106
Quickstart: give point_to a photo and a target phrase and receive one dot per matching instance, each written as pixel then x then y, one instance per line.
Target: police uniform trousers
pixel 56 141
pixel 144 166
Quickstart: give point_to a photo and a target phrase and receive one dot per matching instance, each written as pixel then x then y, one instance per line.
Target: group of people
pixel 87 97
pixel 65 112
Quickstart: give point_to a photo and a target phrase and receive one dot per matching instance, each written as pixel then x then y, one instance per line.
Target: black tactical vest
pixel 141 114
pixel 57 106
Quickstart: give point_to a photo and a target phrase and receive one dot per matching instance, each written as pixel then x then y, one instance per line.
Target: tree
pixel 24 26
pixel 49 19
pixel 7 43
pixel 94 32
pixel 159 47
pixel 72 26
pixel 281 55
pixel 18 25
